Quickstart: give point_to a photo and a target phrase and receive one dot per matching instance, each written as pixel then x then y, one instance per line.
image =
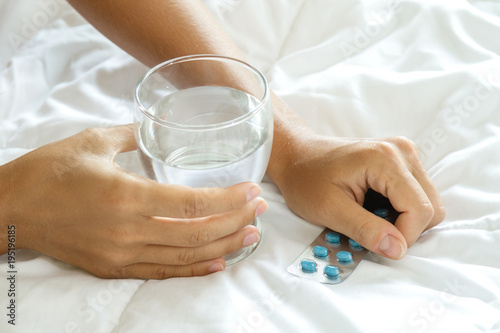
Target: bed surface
pixel 428 70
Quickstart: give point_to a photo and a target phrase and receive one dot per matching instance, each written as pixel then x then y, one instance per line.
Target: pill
pixel 344 256
pixel 320 251
pixel 332 237
pixel 332 271
pixel 381 212
pixel 308 265
pixel 355 244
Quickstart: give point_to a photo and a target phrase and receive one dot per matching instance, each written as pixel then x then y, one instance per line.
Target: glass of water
pixel 204 121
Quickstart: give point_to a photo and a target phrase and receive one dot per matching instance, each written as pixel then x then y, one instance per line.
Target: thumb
pixel 372 232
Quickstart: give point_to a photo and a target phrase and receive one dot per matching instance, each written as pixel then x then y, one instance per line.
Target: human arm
pixel 69 200
pixel 322 179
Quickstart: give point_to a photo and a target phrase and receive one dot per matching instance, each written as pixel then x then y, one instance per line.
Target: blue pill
pixel 308 265
pixel 355 244
pixel 344 256
pixel 381 212
pixel 320 251
pixel 332 237
pixel 332 271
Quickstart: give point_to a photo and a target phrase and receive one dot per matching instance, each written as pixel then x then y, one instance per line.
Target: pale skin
pixel 69 200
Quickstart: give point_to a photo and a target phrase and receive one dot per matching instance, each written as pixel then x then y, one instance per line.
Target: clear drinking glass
pixel 204 121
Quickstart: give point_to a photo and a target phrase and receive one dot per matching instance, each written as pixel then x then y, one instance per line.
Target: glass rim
pixel 197 57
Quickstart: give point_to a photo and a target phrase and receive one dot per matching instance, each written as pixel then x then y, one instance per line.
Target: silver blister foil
pixel 326 259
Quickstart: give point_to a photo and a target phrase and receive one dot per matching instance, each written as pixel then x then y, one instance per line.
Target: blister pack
pixel 332 256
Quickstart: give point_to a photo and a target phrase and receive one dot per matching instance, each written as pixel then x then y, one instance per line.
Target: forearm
pixel 156 30
pixel 290 137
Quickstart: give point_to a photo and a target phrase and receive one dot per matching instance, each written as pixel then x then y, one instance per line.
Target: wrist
pixel 291 138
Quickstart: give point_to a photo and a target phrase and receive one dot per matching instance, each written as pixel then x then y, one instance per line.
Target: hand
pixel 69 200
pixel 326 181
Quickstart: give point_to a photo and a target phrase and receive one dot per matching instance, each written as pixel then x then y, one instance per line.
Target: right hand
pixel 70 201
pixel 324 180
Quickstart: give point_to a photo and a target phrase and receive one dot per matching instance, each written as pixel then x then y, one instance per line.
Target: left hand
pixel 71 201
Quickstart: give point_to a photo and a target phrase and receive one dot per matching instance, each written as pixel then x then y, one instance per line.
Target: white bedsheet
pixel 428 70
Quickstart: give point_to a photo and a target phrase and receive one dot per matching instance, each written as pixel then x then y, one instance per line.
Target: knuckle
pixel 364 232
pixel 200 236
pixel 92 133
pixel 427 212
pixel 439 214
pixel 232 246
pixel 245 216
pixel 195 204
pixel 215 193
pixel 233 199
pixel 387 149
pixel 404 144
pixel 194 270
pixel 186 256
pixel 160 272
pixel 397 149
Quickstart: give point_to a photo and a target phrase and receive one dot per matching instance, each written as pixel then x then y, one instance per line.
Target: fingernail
pixel 251 239
pixel 253 193
pixel 217 267
pixel 261 208
pixel 392 247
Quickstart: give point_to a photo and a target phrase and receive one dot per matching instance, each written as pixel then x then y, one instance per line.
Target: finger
pixel 188 255
pixel 160 272
pixel 432 194
pixel 407 197
pixel 200 231
pixel 409 150
pixel 369 230
pixel 184 202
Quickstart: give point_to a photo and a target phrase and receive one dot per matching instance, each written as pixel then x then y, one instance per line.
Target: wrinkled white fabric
pixel 428 70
